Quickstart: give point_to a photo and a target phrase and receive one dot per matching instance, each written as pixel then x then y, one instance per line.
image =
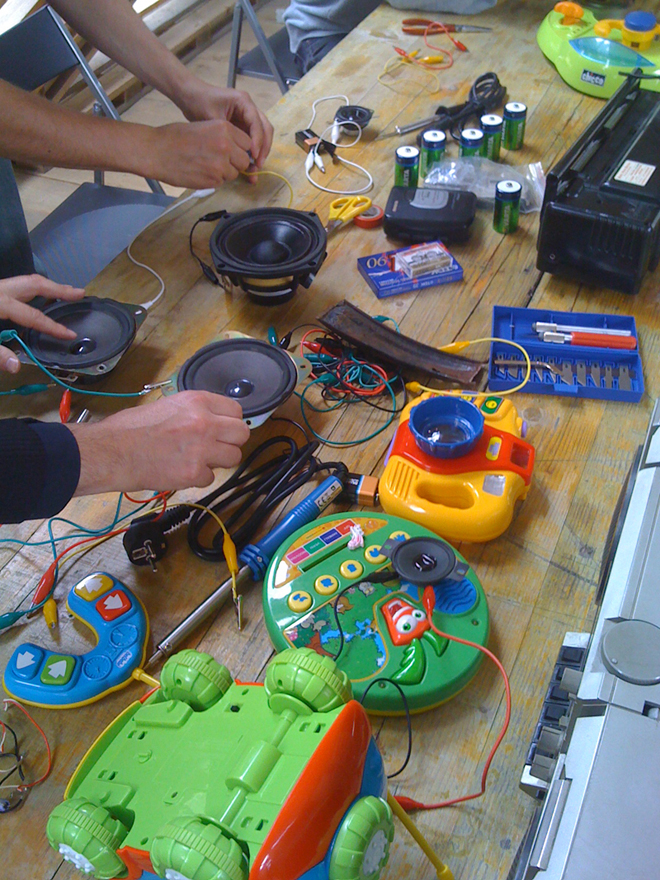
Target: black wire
pixel 292 422
pixel 486 93
pixel 253 491
pixel 408 720
pixel 18 768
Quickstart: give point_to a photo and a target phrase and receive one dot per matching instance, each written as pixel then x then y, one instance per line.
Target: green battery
pixel 491 125
pixel 406 166
pixel 471 142
pixel 433 150
pixel 507 206
pixel 515 115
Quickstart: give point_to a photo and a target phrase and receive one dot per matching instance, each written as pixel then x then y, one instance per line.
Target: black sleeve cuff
pixel 39 469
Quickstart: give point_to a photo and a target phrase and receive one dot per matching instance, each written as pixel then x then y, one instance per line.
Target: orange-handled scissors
pixel 344 209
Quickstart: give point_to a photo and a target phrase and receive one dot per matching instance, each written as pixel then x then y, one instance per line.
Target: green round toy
pixel 320 594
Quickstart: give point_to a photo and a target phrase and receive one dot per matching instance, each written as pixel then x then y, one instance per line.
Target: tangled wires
pixel 342 379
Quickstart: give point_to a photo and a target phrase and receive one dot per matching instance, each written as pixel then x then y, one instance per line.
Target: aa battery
pixel 491 125
pixel 515 115
pixel 507 206
pixel 406 166
pixel 432 152
pixel 471 142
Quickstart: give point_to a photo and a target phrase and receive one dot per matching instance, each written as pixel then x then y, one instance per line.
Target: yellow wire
pixel 453 347
pixel 228 546
pixel 392 65
pixel 273 174
pixel 443 871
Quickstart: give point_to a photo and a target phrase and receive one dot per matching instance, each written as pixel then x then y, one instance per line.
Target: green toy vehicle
pixel 209 779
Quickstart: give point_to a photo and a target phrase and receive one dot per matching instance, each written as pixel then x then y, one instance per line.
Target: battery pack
pixel 419 215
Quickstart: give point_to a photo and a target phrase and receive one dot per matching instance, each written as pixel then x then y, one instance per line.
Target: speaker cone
pixel 354 113
pixel 423 561
pixel 269 251
pixel 253 372
pixel 104 330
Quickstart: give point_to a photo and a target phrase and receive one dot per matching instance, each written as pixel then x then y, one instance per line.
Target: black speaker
pixel 104 330
pixel 269 251
pixel 258 375
pixel 424 561
pixel 354 113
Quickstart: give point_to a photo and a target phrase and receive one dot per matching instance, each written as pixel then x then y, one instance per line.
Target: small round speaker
pixel 422 561
pixel 354 113
pixel 258 375
pixel 268 252
pixel 104 330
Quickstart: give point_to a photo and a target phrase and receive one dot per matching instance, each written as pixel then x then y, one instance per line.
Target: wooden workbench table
pixel 539 577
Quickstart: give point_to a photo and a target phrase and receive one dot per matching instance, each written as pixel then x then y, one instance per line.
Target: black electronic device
pixel 269 251
pixel 104 330
pixel 600 220
pixel 354 113
pixel 418 215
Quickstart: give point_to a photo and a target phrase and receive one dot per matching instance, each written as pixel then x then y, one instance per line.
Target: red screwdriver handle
pixel 602 340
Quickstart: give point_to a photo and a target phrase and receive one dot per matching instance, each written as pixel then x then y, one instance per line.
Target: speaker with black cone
pixel 354 113
pixel 424 561
pixel 258 375
pixel 104 331
pixel 268 252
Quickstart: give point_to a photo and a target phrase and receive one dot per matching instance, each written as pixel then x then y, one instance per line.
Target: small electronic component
pixel 308 139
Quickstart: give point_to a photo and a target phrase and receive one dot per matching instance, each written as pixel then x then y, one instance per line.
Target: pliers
pixel 421 26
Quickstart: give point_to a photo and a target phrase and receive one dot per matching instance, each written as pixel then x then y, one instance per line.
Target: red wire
pixel 410 804
pixel 45 739
pixel 433 28
pixel 305 335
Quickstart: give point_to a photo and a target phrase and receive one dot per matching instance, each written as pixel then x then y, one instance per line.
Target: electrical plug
pixel 144 541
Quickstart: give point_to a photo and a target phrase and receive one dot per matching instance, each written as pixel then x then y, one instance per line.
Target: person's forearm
pixel 34 130
pixel 117 30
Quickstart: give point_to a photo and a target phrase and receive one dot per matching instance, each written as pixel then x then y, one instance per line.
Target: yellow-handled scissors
pixel 344 209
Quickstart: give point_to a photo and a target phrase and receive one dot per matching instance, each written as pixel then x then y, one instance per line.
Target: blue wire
pixel 7 335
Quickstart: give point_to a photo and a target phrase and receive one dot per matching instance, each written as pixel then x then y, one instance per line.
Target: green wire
pixel 7 335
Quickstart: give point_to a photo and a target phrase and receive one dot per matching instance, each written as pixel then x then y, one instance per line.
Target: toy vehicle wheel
pixel 87 836
pixel 362 844
pixel 194 678
pixel 191 849
pixel 302 680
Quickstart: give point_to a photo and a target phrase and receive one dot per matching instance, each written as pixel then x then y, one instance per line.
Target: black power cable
pixel 486 93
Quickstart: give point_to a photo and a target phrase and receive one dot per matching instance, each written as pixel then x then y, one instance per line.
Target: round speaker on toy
pixel 104 330
pixel 268 252
pixel 424 561
pixel 258 375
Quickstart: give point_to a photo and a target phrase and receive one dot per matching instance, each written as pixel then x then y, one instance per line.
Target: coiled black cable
pixel 250 494
pixel 486 93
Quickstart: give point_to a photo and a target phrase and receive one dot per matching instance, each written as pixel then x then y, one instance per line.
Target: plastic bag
pixel 480 176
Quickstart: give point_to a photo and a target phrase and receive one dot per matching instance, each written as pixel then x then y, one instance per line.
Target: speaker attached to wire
pixel 268 252
pixel 104 331
pixel 260 376
pixel 353 113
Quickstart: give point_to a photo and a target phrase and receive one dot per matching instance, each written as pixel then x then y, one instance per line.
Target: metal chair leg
pixel 236 29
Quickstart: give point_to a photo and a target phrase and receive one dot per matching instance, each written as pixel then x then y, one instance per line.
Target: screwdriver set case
pixel 563 368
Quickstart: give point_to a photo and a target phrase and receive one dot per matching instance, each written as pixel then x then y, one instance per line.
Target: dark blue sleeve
pixel 39 469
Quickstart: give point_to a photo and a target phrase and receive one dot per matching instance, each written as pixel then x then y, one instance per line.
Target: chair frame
pixel 244 8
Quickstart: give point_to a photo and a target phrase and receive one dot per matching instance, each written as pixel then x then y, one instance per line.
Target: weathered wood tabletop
pixel 540 576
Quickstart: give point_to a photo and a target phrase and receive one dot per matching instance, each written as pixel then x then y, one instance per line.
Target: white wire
pixel 198 194
pixel 320 101
pixel 342 192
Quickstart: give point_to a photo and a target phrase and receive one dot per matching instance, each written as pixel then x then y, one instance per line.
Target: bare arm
pixel 197 155
pixel 117 30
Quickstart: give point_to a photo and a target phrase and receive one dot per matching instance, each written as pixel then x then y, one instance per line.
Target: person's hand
pixel 172 443
pixel 198 154
pixel 200 101
pixel 15 294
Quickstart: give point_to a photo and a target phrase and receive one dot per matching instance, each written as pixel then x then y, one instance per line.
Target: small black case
pixel 418 215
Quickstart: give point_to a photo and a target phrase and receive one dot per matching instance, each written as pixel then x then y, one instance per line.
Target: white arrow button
pixel 57 670
pixel 113 601
pixel 24 659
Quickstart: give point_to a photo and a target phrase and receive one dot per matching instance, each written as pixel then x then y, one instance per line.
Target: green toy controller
pixel 210 779
pixel 344 587
pixel 592 55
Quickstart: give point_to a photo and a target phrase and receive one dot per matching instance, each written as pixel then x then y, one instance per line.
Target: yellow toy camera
pixel 457 465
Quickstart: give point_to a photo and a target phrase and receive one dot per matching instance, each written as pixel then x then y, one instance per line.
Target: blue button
pixel 97 667
pixel 123 635
pixel 26 661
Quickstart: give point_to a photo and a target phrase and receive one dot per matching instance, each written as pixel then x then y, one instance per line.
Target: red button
pixel 113 605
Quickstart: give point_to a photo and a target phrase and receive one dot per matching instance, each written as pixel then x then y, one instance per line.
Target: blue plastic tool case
pixel 600 373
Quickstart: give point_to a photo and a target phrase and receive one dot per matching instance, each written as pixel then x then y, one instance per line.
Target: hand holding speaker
pixel 15 294
pixel 172 443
